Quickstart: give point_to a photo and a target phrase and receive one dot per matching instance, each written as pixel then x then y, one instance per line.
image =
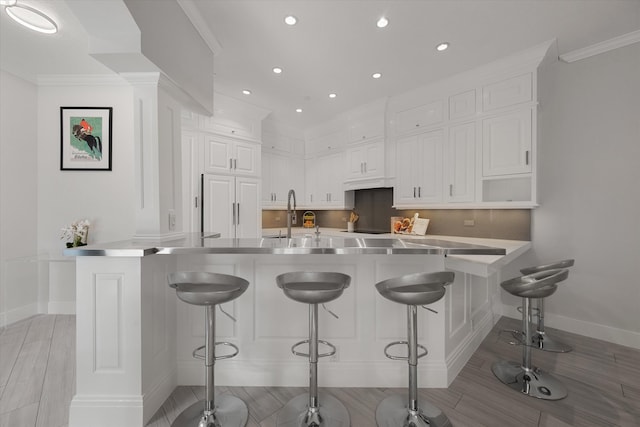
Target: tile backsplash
pixel 374 208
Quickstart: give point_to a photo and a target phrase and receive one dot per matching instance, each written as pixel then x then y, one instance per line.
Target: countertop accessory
pixel 413 290
pixel 310 409
pixel 308 219
pixel 523 376
pixel 208 290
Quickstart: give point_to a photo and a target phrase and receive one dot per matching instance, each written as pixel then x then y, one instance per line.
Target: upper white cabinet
pixel 280 174
pixel 507 92
pixel 365 161
pixel 366 129
pixel 459 163
pixel 245 128
pixel 325 143
pixel 462 105
pixel 324 177
pixel 419 171
pixel 229 156
pixel 506 144
pixel 422 116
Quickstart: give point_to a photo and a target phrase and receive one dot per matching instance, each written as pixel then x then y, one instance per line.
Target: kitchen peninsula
pixel 134 339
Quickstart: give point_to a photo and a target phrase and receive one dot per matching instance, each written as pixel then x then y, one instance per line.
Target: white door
pixel 248 216
pixel 407 163
pixel 506 144
pixel 460 164
pixel 218 204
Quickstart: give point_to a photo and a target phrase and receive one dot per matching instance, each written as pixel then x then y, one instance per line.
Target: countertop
pixel 304 241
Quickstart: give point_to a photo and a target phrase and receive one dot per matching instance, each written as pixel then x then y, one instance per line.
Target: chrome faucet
pixel 291 214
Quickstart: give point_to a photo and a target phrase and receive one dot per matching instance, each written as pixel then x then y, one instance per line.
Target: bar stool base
pixel 296 413
pixel 546 343
pixel 535 383
pixel 230 412
pixel 393 411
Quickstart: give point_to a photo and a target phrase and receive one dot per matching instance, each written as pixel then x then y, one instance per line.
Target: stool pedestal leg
pixel 310 409
pixel 227 410
pixel 524 377
pixel 544 342
pixel 393 411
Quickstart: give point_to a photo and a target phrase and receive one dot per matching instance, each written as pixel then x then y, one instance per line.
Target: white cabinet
pixel 434 168
pixel 231 206
pixel 462 105
pixel 238 127
pixel 459 164
pixel 279 175
pixel 505 93
pixel 506 144
pixel 365 161
pixel 324 181
pixel 414 119
pixel 419 169
pixel 228 156
pixel 366 129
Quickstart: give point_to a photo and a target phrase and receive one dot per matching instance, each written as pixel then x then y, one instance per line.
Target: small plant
pixel 76 233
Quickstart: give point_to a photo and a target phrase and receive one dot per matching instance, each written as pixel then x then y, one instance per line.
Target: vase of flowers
pixel 76 234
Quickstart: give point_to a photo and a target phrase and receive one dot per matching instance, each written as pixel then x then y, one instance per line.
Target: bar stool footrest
pixel 395 343
pixel 327 343
pixel 201 356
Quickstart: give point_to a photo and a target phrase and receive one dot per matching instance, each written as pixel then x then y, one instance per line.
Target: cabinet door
pixel 429 156
pixel 218 155
pixel 374 160
pixel 508 92
pixel 356 157
pixel 246 159
pixel 280 178
pixel 248 216
pixel 506 144
pixel 407 166
pixel 218 204
pixel 366 129
pixel 419 117
pixel 330 178
pixel 311 181
pixel 460 164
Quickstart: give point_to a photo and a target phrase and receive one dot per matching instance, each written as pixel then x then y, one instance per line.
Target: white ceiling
pixel 335 47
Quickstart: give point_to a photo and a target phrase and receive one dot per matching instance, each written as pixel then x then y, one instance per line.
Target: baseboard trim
pixel 584 328
pixel 61 307
pixel 16 314
pixel 106 411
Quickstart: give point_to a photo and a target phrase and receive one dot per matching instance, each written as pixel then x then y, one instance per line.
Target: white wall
pixel 589 177
pixel 105 198
pixel 18 199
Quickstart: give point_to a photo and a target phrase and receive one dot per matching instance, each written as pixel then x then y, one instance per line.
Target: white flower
pixel 76 231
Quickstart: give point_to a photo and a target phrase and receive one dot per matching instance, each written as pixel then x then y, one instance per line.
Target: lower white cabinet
pixel 231 206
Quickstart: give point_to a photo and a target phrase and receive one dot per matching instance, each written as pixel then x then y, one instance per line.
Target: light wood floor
pixel 37 380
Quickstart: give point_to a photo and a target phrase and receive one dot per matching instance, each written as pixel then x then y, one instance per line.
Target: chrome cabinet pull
pixel 419 191
pixel 238 208
pixel 451 190
pixel 526 157
pixel 365 167
pixel 414 192
pixel 230 163
pixel 233 210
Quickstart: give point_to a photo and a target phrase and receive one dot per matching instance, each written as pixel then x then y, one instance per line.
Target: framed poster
pixel 85 138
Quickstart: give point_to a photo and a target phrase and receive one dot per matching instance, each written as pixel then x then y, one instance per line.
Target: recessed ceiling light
pixel 376 75
pixel 442 47
pixel 277 70
pixel 298 110
pixel 290 20
pixel 382 22
pixel 332 95
pixel 246 91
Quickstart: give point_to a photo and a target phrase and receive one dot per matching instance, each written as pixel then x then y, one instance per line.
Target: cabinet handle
pixel 361 170
pixel 414 192
pixel 526 157
pixel 195 199
pixel 311 197
pixel 238 208
pixel 450 190
pixel 235 163
pixel 417 125
pixel 365 167
pixel 419 191
pixel 233 210
pixel 230 163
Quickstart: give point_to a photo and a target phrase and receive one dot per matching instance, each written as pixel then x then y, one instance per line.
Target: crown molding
pixel 81 80
pixel 191 10
pixel 598 48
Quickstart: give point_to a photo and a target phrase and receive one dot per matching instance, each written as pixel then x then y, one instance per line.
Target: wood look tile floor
pixel 37 377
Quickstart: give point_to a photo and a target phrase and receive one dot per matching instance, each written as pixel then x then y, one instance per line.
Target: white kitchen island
pixel 135 339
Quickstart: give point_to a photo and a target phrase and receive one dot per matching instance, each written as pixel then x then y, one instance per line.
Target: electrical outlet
pixel 172 220
pixel 469 222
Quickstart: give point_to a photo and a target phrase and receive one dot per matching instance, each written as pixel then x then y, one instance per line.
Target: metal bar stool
pixel 540 339
pixel 309 409
pixel 208 290
pixel 413 290
pixel 523 376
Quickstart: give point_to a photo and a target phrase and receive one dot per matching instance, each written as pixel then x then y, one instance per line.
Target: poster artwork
pixel 85 139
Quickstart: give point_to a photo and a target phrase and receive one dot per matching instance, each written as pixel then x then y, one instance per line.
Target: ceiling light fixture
pixel 298 110
pixel 29 17
pixel 376 75
pixel 277 70
pixel 382 22
pixel 246 91
pixel 442 47
pixel 332 95
pixel 290 20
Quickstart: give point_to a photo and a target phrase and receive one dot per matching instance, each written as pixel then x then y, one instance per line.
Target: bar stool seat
pixel 413 290
pixel 209 290
pixel 313 409
pixel 540 339
pixel 524 377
